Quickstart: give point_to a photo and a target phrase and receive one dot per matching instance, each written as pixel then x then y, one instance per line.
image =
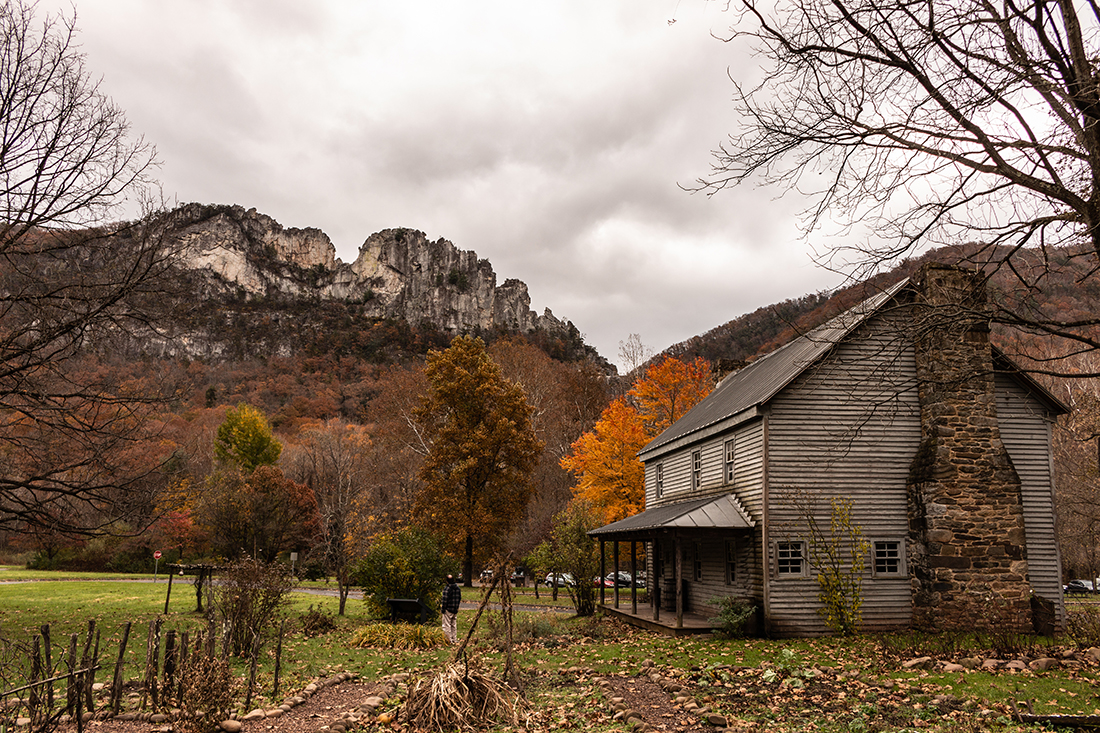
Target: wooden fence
pixel 30 674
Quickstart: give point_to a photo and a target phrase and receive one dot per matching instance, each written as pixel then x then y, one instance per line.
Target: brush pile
pixel 459 698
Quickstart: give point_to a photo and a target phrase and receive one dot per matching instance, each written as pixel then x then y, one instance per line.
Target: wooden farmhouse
pixel 899 408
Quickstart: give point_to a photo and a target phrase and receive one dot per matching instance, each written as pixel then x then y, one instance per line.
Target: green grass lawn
pixel 550 642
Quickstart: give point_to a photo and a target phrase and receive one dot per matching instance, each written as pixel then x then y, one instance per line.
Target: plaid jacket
pixel 452 596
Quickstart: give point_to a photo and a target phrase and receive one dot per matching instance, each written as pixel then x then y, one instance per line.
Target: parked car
pixel 1078 586
pixel 598 581
pixel 563 579
pixel 620 579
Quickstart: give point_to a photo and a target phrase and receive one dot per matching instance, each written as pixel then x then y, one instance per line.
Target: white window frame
pixel 659 480
pixel 731 459
pixel 696 469
pixel 784 558
pixel 883 543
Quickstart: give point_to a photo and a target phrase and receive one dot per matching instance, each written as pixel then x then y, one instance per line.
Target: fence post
pixel 252 670
pixel 169 663
pixel 181 669
pixel 35 697
pixel 116 682
pixel 278 658
pixel 47 666
pixel 89 661
pixel 71 692
pixel 152 664
pixel 79 700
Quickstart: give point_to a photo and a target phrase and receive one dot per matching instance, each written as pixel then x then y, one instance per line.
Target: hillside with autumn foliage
pixel 341 388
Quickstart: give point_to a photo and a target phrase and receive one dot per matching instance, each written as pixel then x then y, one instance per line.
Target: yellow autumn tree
pixel 605 460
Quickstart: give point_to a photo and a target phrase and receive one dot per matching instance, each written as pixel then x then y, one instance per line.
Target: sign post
pixel 156 564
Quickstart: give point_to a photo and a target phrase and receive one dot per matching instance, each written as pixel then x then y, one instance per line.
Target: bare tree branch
pixel 932 123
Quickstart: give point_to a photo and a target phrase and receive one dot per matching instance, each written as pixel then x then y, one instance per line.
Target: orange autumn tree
pixel 669 389
pixel 605 459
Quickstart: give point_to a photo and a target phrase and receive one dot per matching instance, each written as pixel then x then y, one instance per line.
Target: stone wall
pixel 966 551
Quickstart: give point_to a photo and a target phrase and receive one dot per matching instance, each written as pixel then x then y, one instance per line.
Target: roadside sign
pixel 156 555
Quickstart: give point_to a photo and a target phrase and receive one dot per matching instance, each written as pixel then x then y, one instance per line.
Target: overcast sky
pixel 549 137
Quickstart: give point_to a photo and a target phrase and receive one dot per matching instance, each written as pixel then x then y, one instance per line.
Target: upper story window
pixel 659 480
pixel 696 469
pixel 790 559
pixel 731 455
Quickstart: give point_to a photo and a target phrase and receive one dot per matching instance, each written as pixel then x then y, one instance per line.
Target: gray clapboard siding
pixel 703 593
pixel 747 486
pixel 748 474
pixel 1026 434
pixel 847 429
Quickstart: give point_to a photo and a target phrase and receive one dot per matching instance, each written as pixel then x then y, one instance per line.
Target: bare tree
pixel 332 459
pixel 934 122
pixel 70 434
pixel 633 353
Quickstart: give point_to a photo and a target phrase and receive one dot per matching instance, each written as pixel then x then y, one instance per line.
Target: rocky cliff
pixel 236 256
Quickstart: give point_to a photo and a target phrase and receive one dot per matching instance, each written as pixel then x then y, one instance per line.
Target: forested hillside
pixel 341 389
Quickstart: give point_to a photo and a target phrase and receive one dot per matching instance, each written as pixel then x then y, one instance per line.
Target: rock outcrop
pixel 236 256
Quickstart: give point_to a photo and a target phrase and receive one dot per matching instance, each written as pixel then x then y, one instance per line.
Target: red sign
pixel 156 555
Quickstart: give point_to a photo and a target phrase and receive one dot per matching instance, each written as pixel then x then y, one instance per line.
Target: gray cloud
pixel 549 137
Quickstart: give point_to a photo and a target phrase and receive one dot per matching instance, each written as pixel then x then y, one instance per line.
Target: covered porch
pixel 656 529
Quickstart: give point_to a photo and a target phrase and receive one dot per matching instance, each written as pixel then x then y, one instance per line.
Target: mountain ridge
pixel 250 266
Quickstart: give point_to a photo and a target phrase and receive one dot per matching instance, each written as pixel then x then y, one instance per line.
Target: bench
pixel 412 610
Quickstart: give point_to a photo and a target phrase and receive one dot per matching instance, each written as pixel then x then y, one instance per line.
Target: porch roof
pixel 721 512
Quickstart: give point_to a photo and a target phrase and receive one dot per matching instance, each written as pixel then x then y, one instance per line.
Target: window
pixel 789 559
pixel 888 558
pixel 731 562
pixel 696 468
pixel 731 453
pixel 697 562
pixel 659 481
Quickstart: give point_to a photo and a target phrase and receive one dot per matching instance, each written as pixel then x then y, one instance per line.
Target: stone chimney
pixel 967 555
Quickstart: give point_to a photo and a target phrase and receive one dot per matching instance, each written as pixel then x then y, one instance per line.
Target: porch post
pixel 634 577
pixel 679 583
pixel 654 581
pixel 603 562
pixel 615 550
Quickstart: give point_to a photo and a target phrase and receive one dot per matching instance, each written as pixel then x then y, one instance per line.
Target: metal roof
pixel 764 378
pixel 722 512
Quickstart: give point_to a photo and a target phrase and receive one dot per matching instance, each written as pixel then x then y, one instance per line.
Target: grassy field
pixel 550 642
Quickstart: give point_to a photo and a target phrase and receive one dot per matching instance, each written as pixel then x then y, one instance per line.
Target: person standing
pixel 452 597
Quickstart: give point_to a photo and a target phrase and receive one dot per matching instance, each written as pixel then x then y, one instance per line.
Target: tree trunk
pixel 343 583
pixel 468 565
